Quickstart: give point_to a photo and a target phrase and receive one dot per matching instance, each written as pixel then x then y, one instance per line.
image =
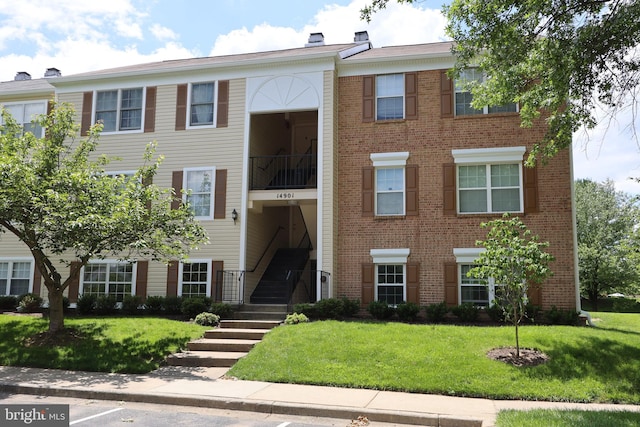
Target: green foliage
pixel 191 307
pixel 626 305
pixel 408 311
pixel 558 316
pixel 86 304
pixel 566 418
pixel 436 312
pixel 466 312
pixel 173 305
pixel 295 318
pixel 307 309
pixel 8 302
pixel 207 319
pixel 106 305
pixel 224 310
pixel 380 310
pixel 29 303
pixel 330 308
pixel 56 197
pixel 350 308
pixel 131 304
pixel 154 304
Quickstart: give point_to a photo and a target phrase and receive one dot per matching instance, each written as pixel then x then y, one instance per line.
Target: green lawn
pixel 110 344
pixel 586 364
pixel 562 418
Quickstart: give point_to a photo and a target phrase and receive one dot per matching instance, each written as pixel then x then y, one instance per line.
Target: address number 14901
pixel 285 195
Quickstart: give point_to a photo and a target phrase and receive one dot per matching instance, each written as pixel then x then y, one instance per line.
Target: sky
pixel 78 35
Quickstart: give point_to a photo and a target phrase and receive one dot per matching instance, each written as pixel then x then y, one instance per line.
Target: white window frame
pixel 10 261
pixel 400 95
pixel 24 120
pixel 134 273
pixel 119 109
pixel 397 160
pixel 215 105
pixel 195 261
pixel 469 256
pixel 390 257
pixel 188 191
pixel 489 157
pixel 459 87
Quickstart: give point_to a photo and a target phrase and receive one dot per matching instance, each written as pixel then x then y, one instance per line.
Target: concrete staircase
pixel 223 346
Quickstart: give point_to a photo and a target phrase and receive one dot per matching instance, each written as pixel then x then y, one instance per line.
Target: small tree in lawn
pixel 513 258
pixel 57 199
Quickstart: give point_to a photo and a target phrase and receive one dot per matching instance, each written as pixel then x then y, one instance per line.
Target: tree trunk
pixel 56 310
pixel 593 297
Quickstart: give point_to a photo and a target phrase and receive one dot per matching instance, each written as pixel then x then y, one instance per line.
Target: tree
pixel 514 259
pixel 56 198
pixel 606 222
pixel 556 58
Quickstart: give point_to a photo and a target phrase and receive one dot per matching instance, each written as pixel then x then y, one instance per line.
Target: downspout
pixel 576 270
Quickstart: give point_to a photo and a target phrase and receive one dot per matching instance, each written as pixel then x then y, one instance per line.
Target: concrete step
pixel 236 333
pixel 260 315
pixel 221 345
pixel 205 358
pixel 250 324
pixel 263 308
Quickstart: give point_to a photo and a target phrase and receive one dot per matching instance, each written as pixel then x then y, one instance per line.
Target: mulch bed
pixel 528 356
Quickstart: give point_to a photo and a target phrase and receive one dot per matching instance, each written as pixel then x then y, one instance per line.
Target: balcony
pixel 283 172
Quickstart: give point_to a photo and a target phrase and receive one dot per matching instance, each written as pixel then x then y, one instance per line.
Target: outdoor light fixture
pixel 234 216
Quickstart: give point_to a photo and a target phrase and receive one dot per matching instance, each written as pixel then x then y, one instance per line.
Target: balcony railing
pixel 283 172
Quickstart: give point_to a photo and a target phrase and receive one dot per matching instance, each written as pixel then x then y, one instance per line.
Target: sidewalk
pixel 207 387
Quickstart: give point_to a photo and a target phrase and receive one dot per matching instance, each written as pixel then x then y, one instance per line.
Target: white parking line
pixel 95 416
pixel 283 424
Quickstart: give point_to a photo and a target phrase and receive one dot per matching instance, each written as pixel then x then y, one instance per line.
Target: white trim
pixel 209 263
pixel 134 274
pixel 467 255
pixel 119 109
pixel 185 174
pixel 390 256
pixel 389 159
pixel 489 155
pixel 216 95
pixel 10 261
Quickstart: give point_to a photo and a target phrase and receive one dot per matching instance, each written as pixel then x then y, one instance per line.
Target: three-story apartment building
pixel 323 171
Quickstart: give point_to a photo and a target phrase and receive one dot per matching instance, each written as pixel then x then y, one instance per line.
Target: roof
pixel 392 53
pixel 26 87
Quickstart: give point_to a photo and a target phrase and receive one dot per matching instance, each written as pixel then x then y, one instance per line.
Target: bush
pixel 223 310
pixel 154 304
pixel 173 305
pixel 295 318
pixel 557 316
pixel 65 304
pixel 408 312
pixel 436 312
pixel 350 307
pixel 86 304
pixel 330 308
pixel 29 303
pixel 496 313
pixel 131 304
pixel 307 309
pixel 105 305
pixel 191 307
pixel 626 305
pixel 466 312
pixel 8 302
pixel 207 319
pixel 380 310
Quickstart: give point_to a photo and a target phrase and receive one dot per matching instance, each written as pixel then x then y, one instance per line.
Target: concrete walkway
pixel 208 387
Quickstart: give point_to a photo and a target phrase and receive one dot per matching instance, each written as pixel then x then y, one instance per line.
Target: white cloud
pixel 163 33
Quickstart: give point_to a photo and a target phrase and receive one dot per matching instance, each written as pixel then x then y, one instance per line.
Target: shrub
pixel 350 307
pixel 105 305
pixel 466 312
pixel 29 303
pixel 8 302
pixel 191 307
pixel 225 311
pixel 295 318
pixel 558 316
pixel 330 308
pixel 154 304
pixel 496 313
pixel 408 312
pixel 207 319
pixel 626 305
pixel 436 312
pixel 131 304
pixel 380 310
pixel 86 304
pixel 173 305
pixel 307 309
pixel 65 304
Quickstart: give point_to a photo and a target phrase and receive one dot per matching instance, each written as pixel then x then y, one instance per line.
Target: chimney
pixel 315 39
pixel 361 37
pixel 22 75
pixel 52 72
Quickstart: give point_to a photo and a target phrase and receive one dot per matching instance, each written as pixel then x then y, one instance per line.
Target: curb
pixel 263 406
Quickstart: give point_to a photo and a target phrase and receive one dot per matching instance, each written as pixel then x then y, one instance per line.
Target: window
pixel 390 275
pixel 25 113
pixel 472 290
pixel 108 278
pixel 463 96
pixel 15 277
pixel 119 110
pixel 389 96
pixel 489 180
pixel 202 104
pixel 390 182
pixel 195 278
pixel 199 183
